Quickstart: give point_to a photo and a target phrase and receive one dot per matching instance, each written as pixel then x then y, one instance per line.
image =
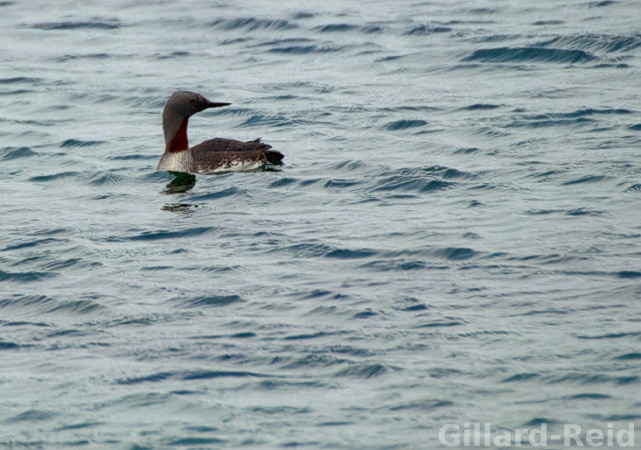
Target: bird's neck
pixel 176 137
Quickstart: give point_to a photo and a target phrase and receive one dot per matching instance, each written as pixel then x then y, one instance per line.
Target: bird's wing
pixel 230 145
pixel 230 154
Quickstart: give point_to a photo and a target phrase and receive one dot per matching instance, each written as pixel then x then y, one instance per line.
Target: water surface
pixel 454 236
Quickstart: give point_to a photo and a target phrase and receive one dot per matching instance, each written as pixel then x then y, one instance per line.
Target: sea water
pixel 453 240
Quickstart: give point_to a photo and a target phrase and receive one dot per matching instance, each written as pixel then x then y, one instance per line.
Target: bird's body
pixel 214 155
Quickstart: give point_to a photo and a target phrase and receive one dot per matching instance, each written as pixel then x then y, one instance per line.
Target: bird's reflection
pixel 181 183
pixel 181 208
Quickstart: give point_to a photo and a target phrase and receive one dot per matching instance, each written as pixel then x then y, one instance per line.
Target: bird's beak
pixel 216 104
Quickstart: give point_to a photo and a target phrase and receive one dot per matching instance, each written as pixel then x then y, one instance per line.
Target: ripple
pixel 259 120
pixel 597 42
pixel 16 153
pixel 363 371
pixel 590 396
pixel 628 274
pixel 404 124
pixel 4 345
pixel 79 143
pixel 397 265
pixel 417 184
pixel 424 405
pixel 529 54
pixel 253 24
pixel 521 377
pixel 35 243
pixel 313 249
pixel 158 235
pixel 592 378
pixel 610 336
pixel 96 23
pixel 25 277
pixel 32 415
pixel 635 356
pixel 132 157
pixel 229 192
pixel 307 49
pixel 196 441
pixel 152 378
pixel 298 337
pixel 344 253
pixel 211 374
pixel 172 55
pixel 426 30
pixel 80 56
pixel 578 117
pixel 76 307
pixel 18 80
pixel 214 300
pixel 53 177
pixel 441 324
pixel 336 28
pixel 602 3
pixel 588 179
pixel 548 22
pixel 456 253
pixel 480 107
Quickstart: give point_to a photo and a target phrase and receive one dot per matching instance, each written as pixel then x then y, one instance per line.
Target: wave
pixel 411 183
pixel 588 179
pixel 634 356
pixel 158 235
pixel 70 57
pixel 78 143
pixel 578 117
pixel 14 153
pixel 276 121
pixel 479 107
pixel 212 300
pixel 101 24
pixel 364 371
pixel 307 49
pixel 548 22
pixel 404 124
pixel 50 305
pixel 5 345
pixel 229 192
pixel 424 405
pixel 25 277
pixel 529 54
pixel 252 24
pixel 196 441
pixel 425 30
pixel 336 27
pixel 17 80
pixel 608 43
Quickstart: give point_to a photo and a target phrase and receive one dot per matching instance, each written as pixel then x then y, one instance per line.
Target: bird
pixel 214 155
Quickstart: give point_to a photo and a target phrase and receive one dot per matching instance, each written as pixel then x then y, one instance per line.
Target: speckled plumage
pixel 214 155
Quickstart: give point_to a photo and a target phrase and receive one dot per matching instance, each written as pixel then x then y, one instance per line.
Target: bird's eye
pixel 193 100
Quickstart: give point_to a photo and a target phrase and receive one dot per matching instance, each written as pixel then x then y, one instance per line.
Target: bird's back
pixel 229 154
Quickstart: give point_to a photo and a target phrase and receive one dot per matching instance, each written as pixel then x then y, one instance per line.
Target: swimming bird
pixel 214 155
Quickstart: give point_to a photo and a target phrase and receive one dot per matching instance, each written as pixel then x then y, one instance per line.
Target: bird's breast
pixel 176 162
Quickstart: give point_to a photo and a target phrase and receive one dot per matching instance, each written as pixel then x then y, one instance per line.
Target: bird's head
pixel 185 104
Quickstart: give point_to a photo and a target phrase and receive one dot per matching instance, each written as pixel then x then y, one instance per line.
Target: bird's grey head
pixel 185 104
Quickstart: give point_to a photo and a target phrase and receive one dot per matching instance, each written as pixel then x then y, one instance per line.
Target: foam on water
pixel 453 237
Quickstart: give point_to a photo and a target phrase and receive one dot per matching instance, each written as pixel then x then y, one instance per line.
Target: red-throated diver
pixel 214 155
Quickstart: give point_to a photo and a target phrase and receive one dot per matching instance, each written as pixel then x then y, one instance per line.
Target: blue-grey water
pixel 454 237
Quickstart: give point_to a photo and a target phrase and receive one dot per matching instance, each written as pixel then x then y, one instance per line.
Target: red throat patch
pixel 179 142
